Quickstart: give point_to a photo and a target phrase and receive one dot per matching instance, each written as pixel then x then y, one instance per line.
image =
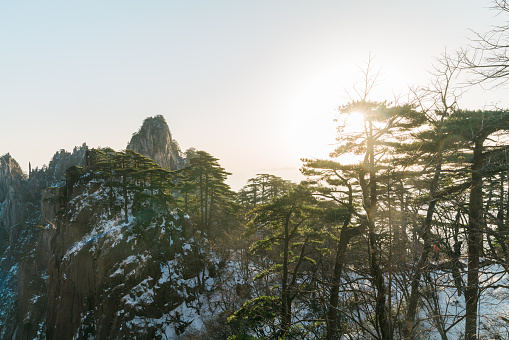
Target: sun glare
pixel 309 128
pixel 354 122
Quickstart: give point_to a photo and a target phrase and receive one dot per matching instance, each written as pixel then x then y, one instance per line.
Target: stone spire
pixel 154 140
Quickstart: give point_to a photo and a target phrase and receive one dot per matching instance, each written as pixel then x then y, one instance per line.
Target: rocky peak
pixel 10 175
pixel 61 161
pixel 154 140
pixel 11 192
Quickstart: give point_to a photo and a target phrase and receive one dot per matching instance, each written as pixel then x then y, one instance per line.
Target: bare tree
pixel 487 57
pixel 437 102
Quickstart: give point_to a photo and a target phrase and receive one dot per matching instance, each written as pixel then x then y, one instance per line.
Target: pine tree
pixel 204 179
pixel 287 224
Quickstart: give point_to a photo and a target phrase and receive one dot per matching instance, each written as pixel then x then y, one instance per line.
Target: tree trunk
pixel 421 263
pixel 207 217
pixel 475 223
pixel 332 313
pixel 369 192
pixel 202 212
pixel 124 187
pixel 286 307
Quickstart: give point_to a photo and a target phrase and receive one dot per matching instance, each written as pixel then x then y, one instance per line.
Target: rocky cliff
pixel 112 279
pixel 96 249
pixel 23 231
pixel 61 161
pixel 15 204
pixel 12 197
pixel 154 141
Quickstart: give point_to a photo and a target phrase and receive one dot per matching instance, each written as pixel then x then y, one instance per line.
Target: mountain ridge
pixel 32 207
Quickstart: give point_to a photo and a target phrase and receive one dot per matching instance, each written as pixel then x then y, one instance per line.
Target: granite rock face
pixel 14 210
pixel 12 196
pixel 33 270
pixel 154 141
pixel 109 278
pixel 25 233
pixel 61 161
pixel 73 266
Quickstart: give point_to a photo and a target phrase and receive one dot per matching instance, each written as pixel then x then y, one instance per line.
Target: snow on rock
pixel 118 275
pixel 140 295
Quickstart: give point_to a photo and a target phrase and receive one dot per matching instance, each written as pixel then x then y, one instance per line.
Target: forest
pixel 406 240
pixel 401 233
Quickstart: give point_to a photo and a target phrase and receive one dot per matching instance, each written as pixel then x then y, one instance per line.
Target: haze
pixel 255 83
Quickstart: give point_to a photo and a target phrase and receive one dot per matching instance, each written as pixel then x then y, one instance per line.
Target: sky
pixel 254 83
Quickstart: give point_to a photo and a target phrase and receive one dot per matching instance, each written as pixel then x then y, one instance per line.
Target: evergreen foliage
pixel 203 187
pixel 139 178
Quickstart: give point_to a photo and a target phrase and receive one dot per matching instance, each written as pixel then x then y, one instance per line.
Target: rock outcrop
pixel 12 196
pixel 154 141
pixel 13 212
pixel 113 279
pixel 33 271
pixel 25 235
pixel 61 161
pixel 81 257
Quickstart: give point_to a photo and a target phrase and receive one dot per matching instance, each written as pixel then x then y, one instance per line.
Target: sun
pixel 354 122
pixel 309 129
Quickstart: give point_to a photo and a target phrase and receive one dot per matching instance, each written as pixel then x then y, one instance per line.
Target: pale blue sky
pixel 254 83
